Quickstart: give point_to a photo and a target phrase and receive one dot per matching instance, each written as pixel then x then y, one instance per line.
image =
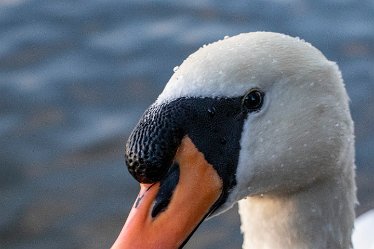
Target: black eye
pixel 253 100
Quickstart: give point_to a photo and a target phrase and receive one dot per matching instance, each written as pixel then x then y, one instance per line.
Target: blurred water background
pixel 76 75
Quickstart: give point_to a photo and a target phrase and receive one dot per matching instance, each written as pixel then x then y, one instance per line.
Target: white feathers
pixel 233 65
pixel 363 233
pixel 297 154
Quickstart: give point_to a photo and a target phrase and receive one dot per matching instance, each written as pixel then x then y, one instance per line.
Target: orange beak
pixel 199 187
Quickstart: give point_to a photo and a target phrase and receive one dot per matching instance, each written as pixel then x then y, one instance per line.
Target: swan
pixel 261 119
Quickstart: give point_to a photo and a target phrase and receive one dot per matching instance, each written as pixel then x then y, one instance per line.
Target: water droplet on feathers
pixel 212 111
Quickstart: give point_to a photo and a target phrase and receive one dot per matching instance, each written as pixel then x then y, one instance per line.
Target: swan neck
pixel 320 216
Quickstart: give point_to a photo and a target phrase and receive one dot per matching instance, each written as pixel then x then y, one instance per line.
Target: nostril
pixel 167 187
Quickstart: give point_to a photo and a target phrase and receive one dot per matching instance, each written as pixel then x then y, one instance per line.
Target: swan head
pixel 268 113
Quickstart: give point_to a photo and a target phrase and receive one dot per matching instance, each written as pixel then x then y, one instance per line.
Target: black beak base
pixel 213 124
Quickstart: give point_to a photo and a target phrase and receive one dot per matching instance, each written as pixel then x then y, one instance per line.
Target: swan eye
pixel 253 100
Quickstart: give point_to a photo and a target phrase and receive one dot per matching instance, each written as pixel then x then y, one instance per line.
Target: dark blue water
pixel 76 75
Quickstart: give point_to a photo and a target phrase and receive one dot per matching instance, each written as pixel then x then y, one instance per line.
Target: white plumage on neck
pixel 318 216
